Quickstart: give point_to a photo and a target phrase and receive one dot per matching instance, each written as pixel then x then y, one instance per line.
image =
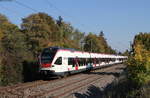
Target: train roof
pixel 58 48
pixel 73 51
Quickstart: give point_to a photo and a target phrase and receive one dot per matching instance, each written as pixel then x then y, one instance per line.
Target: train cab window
pixel 58 61
pixel 47 55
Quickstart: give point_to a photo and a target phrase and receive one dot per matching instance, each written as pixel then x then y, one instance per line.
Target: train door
pixel 61 64
pixel 94 62
pixel 58 64
pixel 70 64
pixel 76 64
pixel 73 65
pixel 64 66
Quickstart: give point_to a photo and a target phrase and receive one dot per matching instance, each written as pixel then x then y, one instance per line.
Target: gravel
pixel 84 85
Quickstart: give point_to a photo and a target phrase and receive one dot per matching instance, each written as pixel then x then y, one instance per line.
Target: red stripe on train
pixel 46 65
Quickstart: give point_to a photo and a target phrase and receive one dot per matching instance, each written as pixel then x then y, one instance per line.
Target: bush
pixel 139 62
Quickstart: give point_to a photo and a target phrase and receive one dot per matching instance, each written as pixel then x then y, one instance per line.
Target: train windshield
pixel 48 55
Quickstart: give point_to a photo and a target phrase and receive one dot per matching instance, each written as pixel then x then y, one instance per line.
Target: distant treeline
pixel 20 46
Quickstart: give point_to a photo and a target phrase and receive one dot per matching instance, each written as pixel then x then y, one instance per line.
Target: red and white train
pixel 61 61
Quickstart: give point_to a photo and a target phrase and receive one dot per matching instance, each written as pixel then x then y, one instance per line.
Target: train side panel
pixel 66 61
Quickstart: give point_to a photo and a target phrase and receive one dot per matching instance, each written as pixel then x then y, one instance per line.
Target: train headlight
pixel 53 66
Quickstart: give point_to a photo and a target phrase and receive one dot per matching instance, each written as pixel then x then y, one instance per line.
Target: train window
pixel 70 61
pixel 82 61
pixel 107 60
pixel 58 61
pixel 74 62
pixel 113 59
pixel 120 59
pixel 102 59
pixel 88 60
pixel 99 60
pixel 79 61
pixel 94 60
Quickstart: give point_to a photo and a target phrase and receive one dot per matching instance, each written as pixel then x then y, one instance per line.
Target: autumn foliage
pixel 139 61
pixel 20 46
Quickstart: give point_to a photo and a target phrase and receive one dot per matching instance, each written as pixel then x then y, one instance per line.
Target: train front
pixel 45 60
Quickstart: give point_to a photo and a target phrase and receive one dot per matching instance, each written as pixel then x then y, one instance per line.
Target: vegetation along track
pixel 58 87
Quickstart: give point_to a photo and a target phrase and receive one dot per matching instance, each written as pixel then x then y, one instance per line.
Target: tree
pixel 69 34
pixel 12 52
pixel 65 29
pixel 126 53
pixel 94 43
pixel 41 30
pixel 139 61
pixel 101 34
pixel 59 21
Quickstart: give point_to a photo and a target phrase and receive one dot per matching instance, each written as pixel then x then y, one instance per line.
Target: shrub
pixel 139 62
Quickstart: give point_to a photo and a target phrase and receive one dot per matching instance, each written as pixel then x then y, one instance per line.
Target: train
pixel 56 61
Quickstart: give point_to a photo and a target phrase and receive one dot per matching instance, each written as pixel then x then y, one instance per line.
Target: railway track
pixel 64 89
pixel 61 91
pixel 54 88
pixel 19 89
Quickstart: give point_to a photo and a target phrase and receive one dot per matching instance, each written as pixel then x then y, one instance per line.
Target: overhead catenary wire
pixel 10 10
pixel 59 10
pixel 26 6
pixel 34 10
pixel 50 4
